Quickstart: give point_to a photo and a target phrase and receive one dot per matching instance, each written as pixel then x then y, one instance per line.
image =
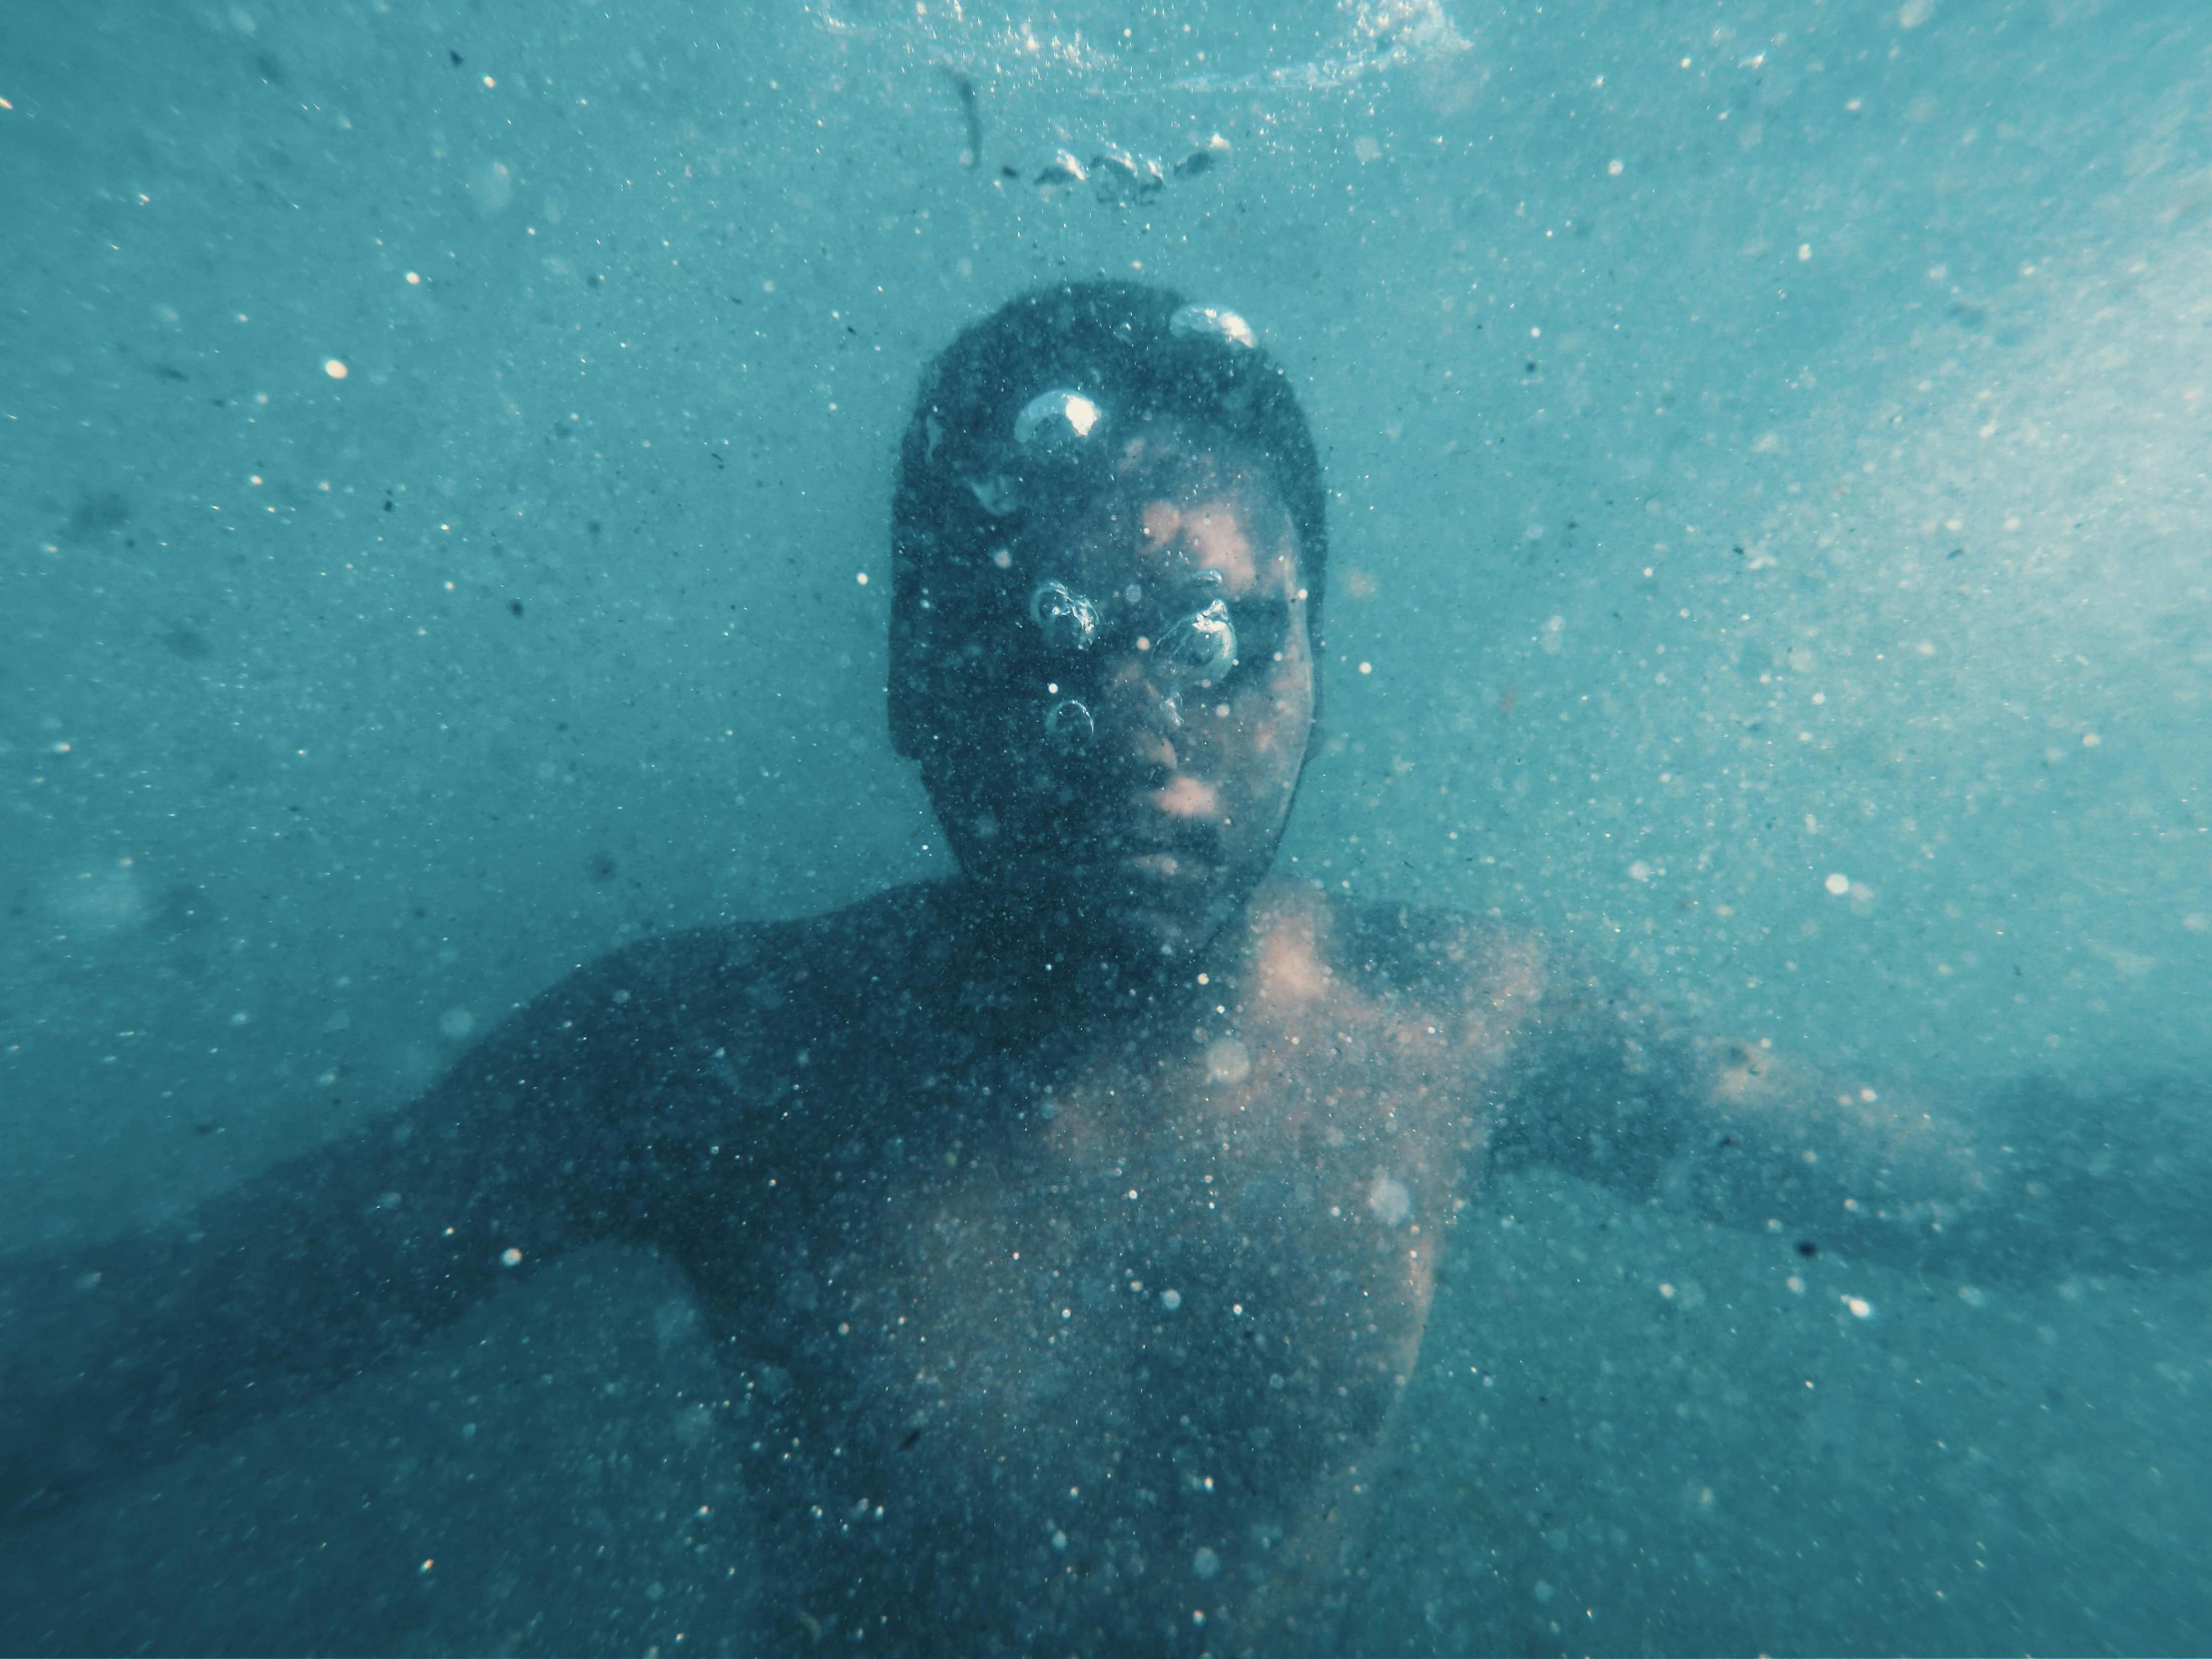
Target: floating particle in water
pixel 1390 1200
pixel 1227 1060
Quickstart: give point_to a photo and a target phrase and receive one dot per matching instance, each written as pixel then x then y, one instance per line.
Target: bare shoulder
pixel 1422 958
pixel 763 981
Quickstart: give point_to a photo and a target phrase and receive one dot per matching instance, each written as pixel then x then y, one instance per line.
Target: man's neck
pixel 1067 964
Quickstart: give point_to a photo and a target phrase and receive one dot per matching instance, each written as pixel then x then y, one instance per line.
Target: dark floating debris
pixel 96 514
pixel 964 90
pixel 1206 157
pixel 1119 174
pixel 1060 167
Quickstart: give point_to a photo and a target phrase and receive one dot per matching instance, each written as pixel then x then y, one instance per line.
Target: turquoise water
pixel 443 446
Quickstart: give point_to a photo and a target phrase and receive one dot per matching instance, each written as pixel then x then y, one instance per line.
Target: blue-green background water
pixel 1768 445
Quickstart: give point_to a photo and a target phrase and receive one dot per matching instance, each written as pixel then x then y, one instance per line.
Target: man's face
pixel 1131 761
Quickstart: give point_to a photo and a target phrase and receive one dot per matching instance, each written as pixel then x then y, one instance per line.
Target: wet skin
pixel 1116 1306
pixel 1067 1231
pixel 1150 837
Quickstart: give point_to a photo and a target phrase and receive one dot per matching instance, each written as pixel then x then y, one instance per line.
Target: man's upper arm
pixel 116 1354
pixel 2028 1181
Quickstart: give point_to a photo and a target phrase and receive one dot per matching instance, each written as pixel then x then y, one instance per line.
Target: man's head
pixel 1109 537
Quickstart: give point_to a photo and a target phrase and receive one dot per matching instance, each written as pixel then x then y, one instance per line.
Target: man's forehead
pixel 1173 502
pixel 1213 535
pixel 1151 534
pixel 1171 455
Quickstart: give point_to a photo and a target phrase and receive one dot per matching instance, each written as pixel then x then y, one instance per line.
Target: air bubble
pixel 1068 725
pixel 1060 167
pixel 1202 646
pixel 1214 322
pixel 1055 418
pixel 1120 174
pixel 1067 620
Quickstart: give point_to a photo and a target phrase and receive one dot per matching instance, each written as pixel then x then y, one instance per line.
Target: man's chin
pixel 1138 909
pixel 1149 930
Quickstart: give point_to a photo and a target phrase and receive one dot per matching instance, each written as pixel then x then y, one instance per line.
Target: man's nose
pixel 1144 720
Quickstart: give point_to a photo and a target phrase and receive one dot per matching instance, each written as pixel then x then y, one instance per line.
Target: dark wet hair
pixel 1113 342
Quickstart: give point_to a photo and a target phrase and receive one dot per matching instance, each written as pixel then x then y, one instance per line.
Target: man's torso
pixel 1054 1307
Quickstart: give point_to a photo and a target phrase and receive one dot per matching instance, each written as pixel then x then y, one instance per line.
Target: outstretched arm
pixel 121 1353
pixel 2028 1183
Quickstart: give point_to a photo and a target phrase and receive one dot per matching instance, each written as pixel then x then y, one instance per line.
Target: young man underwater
pixel 1067 1228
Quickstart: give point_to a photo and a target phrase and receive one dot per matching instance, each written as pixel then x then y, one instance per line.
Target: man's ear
pixel 905 740
pixel 905 698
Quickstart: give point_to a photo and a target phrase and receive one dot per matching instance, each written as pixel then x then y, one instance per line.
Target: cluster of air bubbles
pixel 1068 725
pixel 1119 174
pixel 1212 322
pixel 1002 56
pixel 1200 648
pixel 1056 419
pixel 1066 619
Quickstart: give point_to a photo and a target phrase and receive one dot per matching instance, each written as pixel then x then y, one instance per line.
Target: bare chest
pixel 1195 1283
pixel 1221 1205
pixel 1106 1305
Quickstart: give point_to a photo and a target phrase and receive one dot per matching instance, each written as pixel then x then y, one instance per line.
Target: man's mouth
pixel 1165 848
pixel 1102 848
pixel 1147 869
